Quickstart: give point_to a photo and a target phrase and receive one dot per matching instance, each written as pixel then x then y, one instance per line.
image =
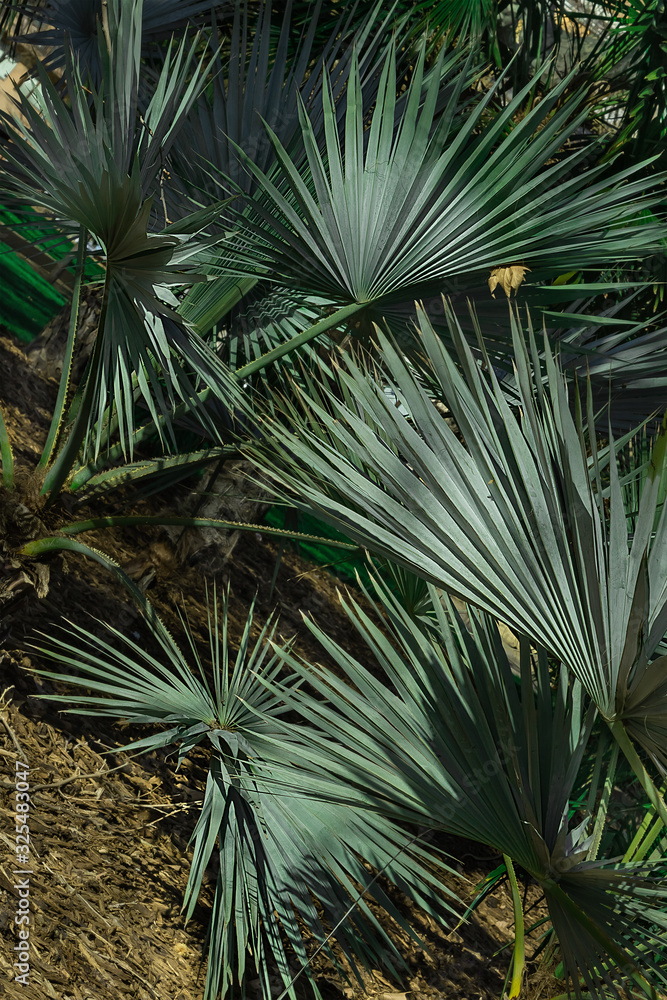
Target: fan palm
pixel 93 164
pixel 276 848
pixel 357 221
pixel 395 210
pixel 93 169
pixel 456 745
pixel 73 27
pixel 461 178
pixel 341 216
pixel 514 521
pixel 254 87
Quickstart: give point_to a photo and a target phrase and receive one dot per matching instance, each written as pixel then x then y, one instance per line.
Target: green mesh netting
pixel 27 302
pixel 344 564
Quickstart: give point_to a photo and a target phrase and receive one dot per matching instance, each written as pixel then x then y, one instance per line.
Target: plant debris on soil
pixel 109 831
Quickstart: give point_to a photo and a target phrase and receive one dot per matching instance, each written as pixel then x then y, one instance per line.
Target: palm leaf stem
pixel 649 840
pixel 601 815
pixel 42 546
pixel 6 455
pixel 62 467
pixel 59 410
pixel 134 471
pixel 603 745
pixel 95 523
pixel 633 759
pixel 300 339
pixel 519 953
pixel 116 453
pixel 632 853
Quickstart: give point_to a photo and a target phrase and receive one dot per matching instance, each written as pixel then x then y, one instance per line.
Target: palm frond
pixel 455 744
pixel 255 89
pixel 74 26
pixel 394 210
pixel 621 357
pixel 512 521
pixel 278 849
pixel 96 166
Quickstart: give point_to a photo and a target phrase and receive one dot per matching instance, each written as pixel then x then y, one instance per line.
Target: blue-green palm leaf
pixel 277 848
pixel 74 26
pixel 512 521
pixel 457 744
pixel 94 168
pixel 392 211
pixel 255 92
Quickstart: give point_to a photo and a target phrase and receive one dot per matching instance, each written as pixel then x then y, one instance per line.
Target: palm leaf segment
pixel 92 169
pixel 393 210
pixel 624 359
pixel 74 25
pixel 257 87
pixel 456 744
pixel 513 521
pixel 277 849
pixel 256 84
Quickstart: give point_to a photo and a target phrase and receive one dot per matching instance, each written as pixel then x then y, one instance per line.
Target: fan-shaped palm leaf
pixel 457 745
pixel 599 341
pixel 513 521
pixel 93 168
pixel 253 91
pixel 75 25
pixel 395 210
pixel 277 848
pixel 600 338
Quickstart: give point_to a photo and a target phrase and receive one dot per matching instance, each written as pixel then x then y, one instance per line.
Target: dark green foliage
pixel 270 192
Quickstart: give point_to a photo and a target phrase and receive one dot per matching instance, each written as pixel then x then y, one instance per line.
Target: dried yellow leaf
pixel 508 276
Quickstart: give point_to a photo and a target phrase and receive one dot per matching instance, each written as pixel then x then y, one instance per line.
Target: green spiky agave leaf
pixel 455 744
pixel 393 211
pixel 511 521
pixel 280 851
